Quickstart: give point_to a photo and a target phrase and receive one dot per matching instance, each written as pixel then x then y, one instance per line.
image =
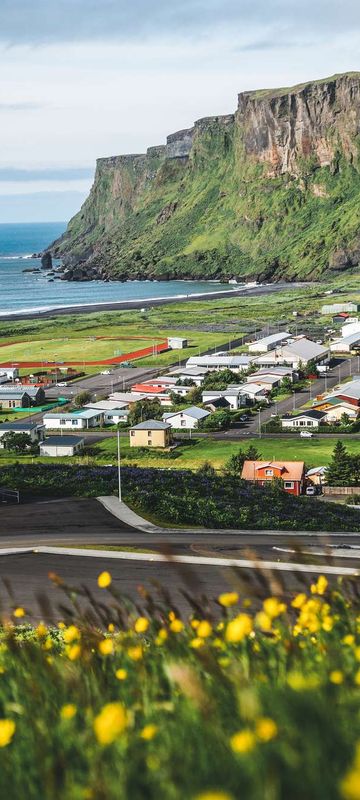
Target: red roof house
pixel 292 473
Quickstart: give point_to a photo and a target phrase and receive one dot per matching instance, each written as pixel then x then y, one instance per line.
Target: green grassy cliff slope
pixel 269 192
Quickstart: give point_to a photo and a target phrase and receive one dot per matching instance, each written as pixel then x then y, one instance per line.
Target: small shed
pixel 61 446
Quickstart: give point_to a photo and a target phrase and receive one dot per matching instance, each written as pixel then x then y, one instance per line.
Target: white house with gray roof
pixel 220 361
pixel 55 446
pixel 32 429
pixel 268 342
pixel 76 421
pixel 188 418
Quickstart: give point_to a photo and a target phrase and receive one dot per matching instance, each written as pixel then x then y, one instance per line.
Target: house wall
pixel 294 487
pixel 49 450
pixel 299 423
pixel 334 413
pixel 157 438
pixel 7 402
pixel 182 420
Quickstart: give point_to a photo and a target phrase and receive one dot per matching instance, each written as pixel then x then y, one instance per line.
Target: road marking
pixel 199 561
pixel 353 553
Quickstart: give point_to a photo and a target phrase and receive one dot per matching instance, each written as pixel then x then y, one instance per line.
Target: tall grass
pixel 121 700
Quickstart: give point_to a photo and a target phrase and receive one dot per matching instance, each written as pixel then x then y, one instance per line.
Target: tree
pixel 143 410
pixel 339 470
pixel 82 398
pixel 195 396
pixel 344 420
pixel 218 421
pixel 236 462
pixel 220 379
pixel 18 442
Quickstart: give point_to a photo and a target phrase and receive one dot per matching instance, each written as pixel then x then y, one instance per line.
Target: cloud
pixel 16 175
pixel 22 106
pixel 51 21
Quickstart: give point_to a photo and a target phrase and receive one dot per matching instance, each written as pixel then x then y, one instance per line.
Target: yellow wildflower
pixel 195 623
pixel 243 742
pixel 197 642
pixel 141 625
pixel 121 674
pixel 238 628
pixel 104 580
pixel 228 599
pixel 68 711
pixel 106 647
pixel 357 653
pixel 73 652
pixel 320 586
pixel 213 794
pixel 176 626
pixel 161 637
pixel 273 607
pixel 299 601
pixel 7 730
pixel 266 729
pixel 111 627
pixel 350 785
pixel 135 653
pixel 148 732
pixel 336 676
pixel 327 623
pixel 110 723
pixel 263 621
pixel 19 612
pixel 71 634
pixel 349 639
pixel 204 629
pixel 41 630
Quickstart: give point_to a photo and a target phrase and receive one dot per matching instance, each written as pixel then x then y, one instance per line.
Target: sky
pixel 81 79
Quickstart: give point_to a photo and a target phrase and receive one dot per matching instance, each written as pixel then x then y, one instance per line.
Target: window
pixel 269 472
pixel 132 433
pixel 183 422
pixel 288 484
pixel 62 422
pixel 149 434
pixel 74 422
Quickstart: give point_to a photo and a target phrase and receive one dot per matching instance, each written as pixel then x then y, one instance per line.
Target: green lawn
pixel 191 455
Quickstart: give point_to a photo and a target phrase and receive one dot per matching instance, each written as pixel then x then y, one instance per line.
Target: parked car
pixel 106 372
pixel 306 435
pixel 310 491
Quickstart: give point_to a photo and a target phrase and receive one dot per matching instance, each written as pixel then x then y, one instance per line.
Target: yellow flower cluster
pixel 245 740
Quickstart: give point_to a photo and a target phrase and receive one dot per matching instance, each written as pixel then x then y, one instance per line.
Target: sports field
pixel 74 349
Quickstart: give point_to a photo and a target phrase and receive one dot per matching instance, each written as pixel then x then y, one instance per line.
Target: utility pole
pixel 119 469
pixel 259 423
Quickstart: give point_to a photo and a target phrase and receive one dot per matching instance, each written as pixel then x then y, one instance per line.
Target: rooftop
pixel 61 441
pixel 151 425
pixel 192 411
pixel 290 470
pixel 18 426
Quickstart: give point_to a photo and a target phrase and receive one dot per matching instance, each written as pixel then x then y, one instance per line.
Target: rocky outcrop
pixel 313 121
pixel 270 191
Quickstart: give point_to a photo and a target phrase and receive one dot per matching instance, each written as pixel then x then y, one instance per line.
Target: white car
pixel 105 372
pixel 306 434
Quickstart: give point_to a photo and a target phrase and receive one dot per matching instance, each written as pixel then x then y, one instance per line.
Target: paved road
pixel 77 522
pixel 119 380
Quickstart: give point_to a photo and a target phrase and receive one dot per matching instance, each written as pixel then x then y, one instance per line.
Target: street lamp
pixel 119 469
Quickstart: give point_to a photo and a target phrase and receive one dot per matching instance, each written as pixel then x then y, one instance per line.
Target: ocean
pixel 28 291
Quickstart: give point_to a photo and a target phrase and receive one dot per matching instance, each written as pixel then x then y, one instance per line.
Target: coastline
pixel 125 305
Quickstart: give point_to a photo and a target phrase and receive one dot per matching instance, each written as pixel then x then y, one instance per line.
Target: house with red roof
pixel 291 473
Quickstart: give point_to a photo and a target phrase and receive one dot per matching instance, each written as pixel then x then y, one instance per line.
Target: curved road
pixel 77 522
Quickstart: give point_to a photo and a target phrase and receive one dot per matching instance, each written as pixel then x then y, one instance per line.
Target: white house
pixel 307 419
pixel 347 344
pixel 254 391
pixel 32 429
pixel 78 420
pixel 220 361
pixel 182 390
pixel 61 446
pixel 351 326
pixel 188 418
pixel 233 396
pixel 194 374
pixel 11 372
pixel 113 412
pixel 268 342
pixel 126 397
pixel 177 343
pixel 299 351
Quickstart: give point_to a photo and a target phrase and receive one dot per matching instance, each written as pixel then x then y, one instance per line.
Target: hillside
pixel 269 192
